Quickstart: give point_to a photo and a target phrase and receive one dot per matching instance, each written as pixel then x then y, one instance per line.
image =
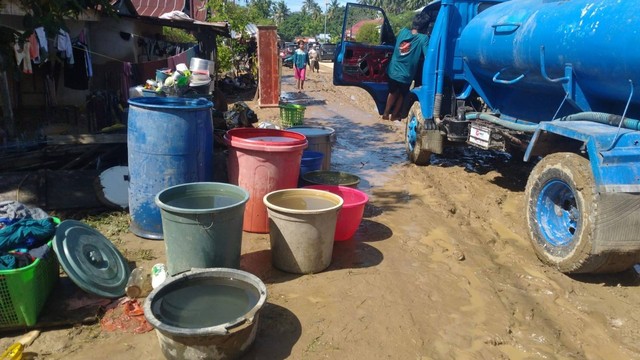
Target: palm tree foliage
pixel 280 12
pixel 312 8
pixel 395 6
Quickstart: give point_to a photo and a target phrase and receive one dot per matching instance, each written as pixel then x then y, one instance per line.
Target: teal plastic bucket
pixel 202 225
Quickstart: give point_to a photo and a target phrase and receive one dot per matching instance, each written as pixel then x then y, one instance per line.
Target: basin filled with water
pixel 206 313
pixel 302 223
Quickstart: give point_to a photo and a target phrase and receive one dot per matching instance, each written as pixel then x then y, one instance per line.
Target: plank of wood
pixel 87 139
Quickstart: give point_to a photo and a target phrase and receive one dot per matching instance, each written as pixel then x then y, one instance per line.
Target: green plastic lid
pixel 90 259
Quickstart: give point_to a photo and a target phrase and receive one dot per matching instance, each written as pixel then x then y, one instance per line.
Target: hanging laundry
pixel 43 43
pixel 63 45
pixel 34 49
pixel 177 59
pixel 21 51
pixel 77 75
pixel 126 82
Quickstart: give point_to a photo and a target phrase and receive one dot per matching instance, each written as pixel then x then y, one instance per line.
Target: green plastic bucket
pixel 202 225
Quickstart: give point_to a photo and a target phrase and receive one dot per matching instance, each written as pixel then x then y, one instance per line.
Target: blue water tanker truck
pixel 555 82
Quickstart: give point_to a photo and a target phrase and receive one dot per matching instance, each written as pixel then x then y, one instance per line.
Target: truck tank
pixel 523 56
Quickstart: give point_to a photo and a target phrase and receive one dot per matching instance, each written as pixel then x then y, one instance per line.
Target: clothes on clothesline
pixel 22 52
pixel 42 42
pixel 76 76
pixel 62 43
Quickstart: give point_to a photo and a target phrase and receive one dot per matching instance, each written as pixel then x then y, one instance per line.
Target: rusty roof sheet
pixel 155 8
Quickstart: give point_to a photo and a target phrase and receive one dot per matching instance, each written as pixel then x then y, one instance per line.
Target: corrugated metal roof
pixel 156 8
pixel 199 10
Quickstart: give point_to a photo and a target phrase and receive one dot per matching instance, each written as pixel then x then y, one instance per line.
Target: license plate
pixel 479 136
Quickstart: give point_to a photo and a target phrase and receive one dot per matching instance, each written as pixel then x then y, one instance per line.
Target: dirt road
pixel 441 267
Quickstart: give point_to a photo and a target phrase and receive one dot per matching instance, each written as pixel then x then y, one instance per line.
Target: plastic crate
pixel 24 291
pixel 291 115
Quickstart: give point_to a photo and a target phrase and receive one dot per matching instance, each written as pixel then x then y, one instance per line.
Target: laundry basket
pixel 291 115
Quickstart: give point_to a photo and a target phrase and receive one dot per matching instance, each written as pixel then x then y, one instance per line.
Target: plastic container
pixel 202 225
pixel 291 114
pixel 320 138
pixel 350 215
pixel 311 161
pixel 158 275
pixel 24 291
pixel 162 75
pixel 201 66
pixel 220 338
pixel 302 226
pixel 323 177
pixel 135 285
pixel 262 161
pixel 170 142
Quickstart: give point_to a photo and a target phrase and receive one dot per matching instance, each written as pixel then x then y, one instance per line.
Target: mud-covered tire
pixel 413 136
pixel 561 208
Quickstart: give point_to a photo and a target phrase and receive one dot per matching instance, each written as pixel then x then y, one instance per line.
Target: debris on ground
pixel 125 316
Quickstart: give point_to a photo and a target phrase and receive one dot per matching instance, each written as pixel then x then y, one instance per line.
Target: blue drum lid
pixel 90 259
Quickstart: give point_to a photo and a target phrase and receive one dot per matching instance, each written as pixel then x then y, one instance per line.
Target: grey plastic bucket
pixel 202 225
pixel 302 224
pixel 227 334
pixel 320 138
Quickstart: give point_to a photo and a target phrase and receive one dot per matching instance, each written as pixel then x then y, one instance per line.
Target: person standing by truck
pixel 410 45
pixel 300 60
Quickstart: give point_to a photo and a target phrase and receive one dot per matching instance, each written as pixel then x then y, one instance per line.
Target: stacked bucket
pixel 202 222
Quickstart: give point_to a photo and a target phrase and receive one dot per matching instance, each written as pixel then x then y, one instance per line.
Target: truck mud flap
pixel 432 140
pixel 617 222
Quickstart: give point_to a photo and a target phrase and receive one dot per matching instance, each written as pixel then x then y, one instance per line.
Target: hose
pixel 599 117
pixel 603 118
pixel 505 123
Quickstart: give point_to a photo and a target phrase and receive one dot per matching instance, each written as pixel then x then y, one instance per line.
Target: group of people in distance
pixel 405 61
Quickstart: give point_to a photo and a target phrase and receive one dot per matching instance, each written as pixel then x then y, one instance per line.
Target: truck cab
pixel 522 76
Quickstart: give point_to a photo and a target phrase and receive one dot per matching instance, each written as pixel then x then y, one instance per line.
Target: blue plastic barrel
pixel 170 142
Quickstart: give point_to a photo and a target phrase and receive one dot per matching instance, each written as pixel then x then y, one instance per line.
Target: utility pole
pixel 324 38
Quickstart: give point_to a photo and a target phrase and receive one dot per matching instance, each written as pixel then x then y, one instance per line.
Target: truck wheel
pixel 562 205
pixel 414 138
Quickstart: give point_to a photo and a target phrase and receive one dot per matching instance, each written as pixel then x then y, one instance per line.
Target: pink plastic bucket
pixel 350 215
pixel 261 161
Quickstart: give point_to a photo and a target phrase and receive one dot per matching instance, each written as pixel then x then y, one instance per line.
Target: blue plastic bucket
pixel 170 142
pixel 311 160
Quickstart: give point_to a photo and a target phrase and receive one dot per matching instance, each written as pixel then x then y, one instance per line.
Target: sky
pixel 295 5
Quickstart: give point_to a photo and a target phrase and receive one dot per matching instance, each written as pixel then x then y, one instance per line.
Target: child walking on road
pixel 300 61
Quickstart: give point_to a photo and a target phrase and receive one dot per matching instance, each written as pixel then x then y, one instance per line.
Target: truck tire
pixel 414 144
pixel 562 208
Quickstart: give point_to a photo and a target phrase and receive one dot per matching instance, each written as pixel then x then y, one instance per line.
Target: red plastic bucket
pixel 261 161
pixel 350 215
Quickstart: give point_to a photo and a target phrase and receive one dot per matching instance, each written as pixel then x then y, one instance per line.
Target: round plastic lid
pixel 90 259
pixel 312 131
pixel 115 186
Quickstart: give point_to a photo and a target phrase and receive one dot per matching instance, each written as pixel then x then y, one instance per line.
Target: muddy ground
pixel 440 268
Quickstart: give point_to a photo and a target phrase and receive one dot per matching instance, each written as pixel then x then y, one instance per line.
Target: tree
pixel 369 33
pixel 281 12
pixel 312 8
pixel 262 8
pixel 292 26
